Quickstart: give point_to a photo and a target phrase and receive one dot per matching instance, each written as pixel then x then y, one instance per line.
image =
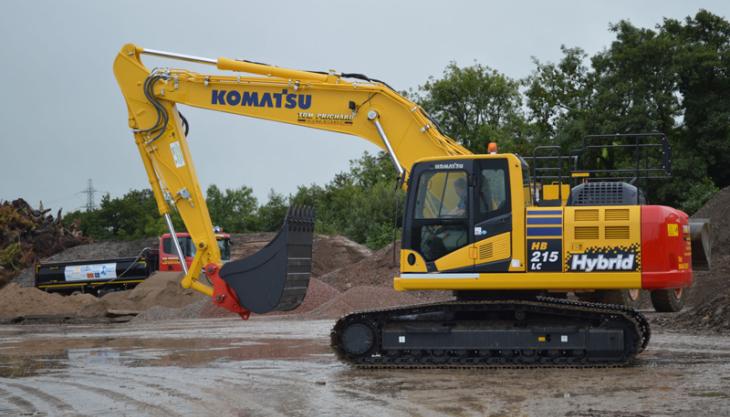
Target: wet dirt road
pixel 274 367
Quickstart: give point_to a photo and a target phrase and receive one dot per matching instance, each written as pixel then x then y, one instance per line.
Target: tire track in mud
pixel 122 376
pixel 23 406
pixel 217 398
pixel 143 407
pixel 55 403
pixel 341 400
pixel 171 384
pixel 177 387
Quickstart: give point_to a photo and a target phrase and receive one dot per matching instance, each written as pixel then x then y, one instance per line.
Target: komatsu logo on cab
pixel 450 165
pixel 254 99
pixel 587 263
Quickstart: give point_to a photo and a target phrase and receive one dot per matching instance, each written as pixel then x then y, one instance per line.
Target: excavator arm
pixel 345 103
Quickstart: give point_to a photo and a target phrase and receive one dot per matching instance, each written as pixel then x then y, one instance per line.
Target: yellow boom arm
pixel 327 101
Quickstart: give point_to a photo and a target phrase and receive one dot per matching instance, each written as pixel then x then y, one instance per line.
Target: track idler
pixel 276 277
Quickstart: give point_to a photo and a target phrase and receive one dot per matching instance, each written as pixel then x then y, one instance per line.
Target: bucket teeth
pixel 276 277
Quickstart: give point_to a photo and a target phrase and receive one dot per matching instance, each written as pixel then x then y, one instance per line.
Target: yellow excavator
pixel 488 227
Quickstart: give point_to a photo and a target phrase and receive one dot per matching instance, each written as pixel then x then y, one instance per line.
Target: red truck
pixel 168 258
pixel 101 276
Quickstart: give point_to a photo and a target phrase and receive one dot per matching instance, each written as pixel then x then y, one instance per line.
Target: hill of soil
pixel 328 252
pixel 709 284
pixel 160 290
pixel 377 269
pixel 361 298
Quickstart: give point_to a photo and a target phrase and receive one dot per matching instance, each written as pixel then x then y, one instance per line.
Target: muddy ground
pixel 283 367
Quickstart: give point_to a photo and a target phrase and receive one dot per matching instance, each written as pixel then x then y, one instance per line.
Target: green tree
pixel 701 59
pixel 271 215
pixel 234 210
pixel 558 96
pixel 672 79
pixel 359 204
pixel 476 105
pixel 131 216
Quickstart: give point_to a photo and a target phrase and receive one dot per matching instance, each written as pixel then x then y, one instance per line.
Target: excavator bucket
pixel 699 230
pixel 276 277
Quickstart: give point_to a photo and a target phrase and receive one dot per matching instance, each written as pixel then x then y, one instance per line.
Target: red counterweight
pixel 666 249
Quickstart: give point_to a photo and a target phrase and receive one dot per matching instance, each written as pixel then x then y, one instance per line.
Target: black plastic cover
pixel 605 194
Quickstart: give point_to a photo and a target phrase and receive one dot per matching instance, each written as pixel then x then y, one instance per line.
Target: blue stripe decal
pixel 544 231
pixel 544 220
pixel 540 213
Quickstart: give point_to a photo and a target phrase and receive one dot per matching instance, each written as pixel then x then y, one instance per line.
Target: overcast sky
pixel 63 119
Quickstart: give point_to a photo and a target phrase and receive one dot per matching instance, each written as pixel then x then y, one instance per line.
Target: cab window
pixel 225 248
pixel 441 213
pixel 442 195
pixel 493 194
pixel 185 244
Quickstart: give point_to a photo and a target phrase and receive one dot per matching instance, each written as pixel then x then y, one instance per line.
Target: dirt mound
pixel 375 270
pixel 27 235
pixel 328 252
pixel 159 290
pixel 361 298
pixel 317 294
pixel 335 252
pixel 17 303
pixel 708 284
pixel 245 244
pixel 712 315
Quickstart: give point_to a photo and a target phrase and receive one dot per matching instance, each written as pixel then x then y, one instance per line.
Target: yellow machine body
pixel 539 246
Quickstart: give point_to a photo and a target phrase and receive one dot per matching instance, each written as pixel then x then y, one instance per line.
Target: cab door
pixel 492 228
pixel 439 214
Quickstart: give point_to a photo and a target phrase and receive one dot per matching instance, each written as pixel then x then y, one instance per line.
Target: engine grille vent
pixel 617 232
pixel 586 232
pixel 586 215
pixel 486 251
pixel 617 214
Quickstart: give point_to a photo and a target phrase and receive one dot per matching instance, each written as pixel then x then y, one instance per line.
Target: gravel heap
pixel 713 315
pixel 708 284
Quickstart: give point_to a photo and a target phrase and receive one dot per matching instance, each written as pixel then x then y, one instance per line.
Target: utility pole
pixel 90 191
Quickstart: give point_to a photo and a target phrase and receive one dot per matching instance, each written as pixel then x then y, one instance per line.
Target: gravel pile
pixel 376 270
pixel 713 315
pixel 708 284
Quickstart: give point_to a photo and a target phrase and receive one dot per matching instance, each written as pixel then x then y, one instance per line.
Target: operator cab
pixel 457 203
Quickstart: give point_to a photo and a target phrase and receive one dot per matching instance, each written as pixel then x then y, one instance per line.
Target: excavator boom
pixel 327 101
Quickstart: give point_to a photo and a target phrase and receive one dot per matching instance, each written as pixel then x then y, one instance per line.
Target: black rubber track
pixel 636 325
